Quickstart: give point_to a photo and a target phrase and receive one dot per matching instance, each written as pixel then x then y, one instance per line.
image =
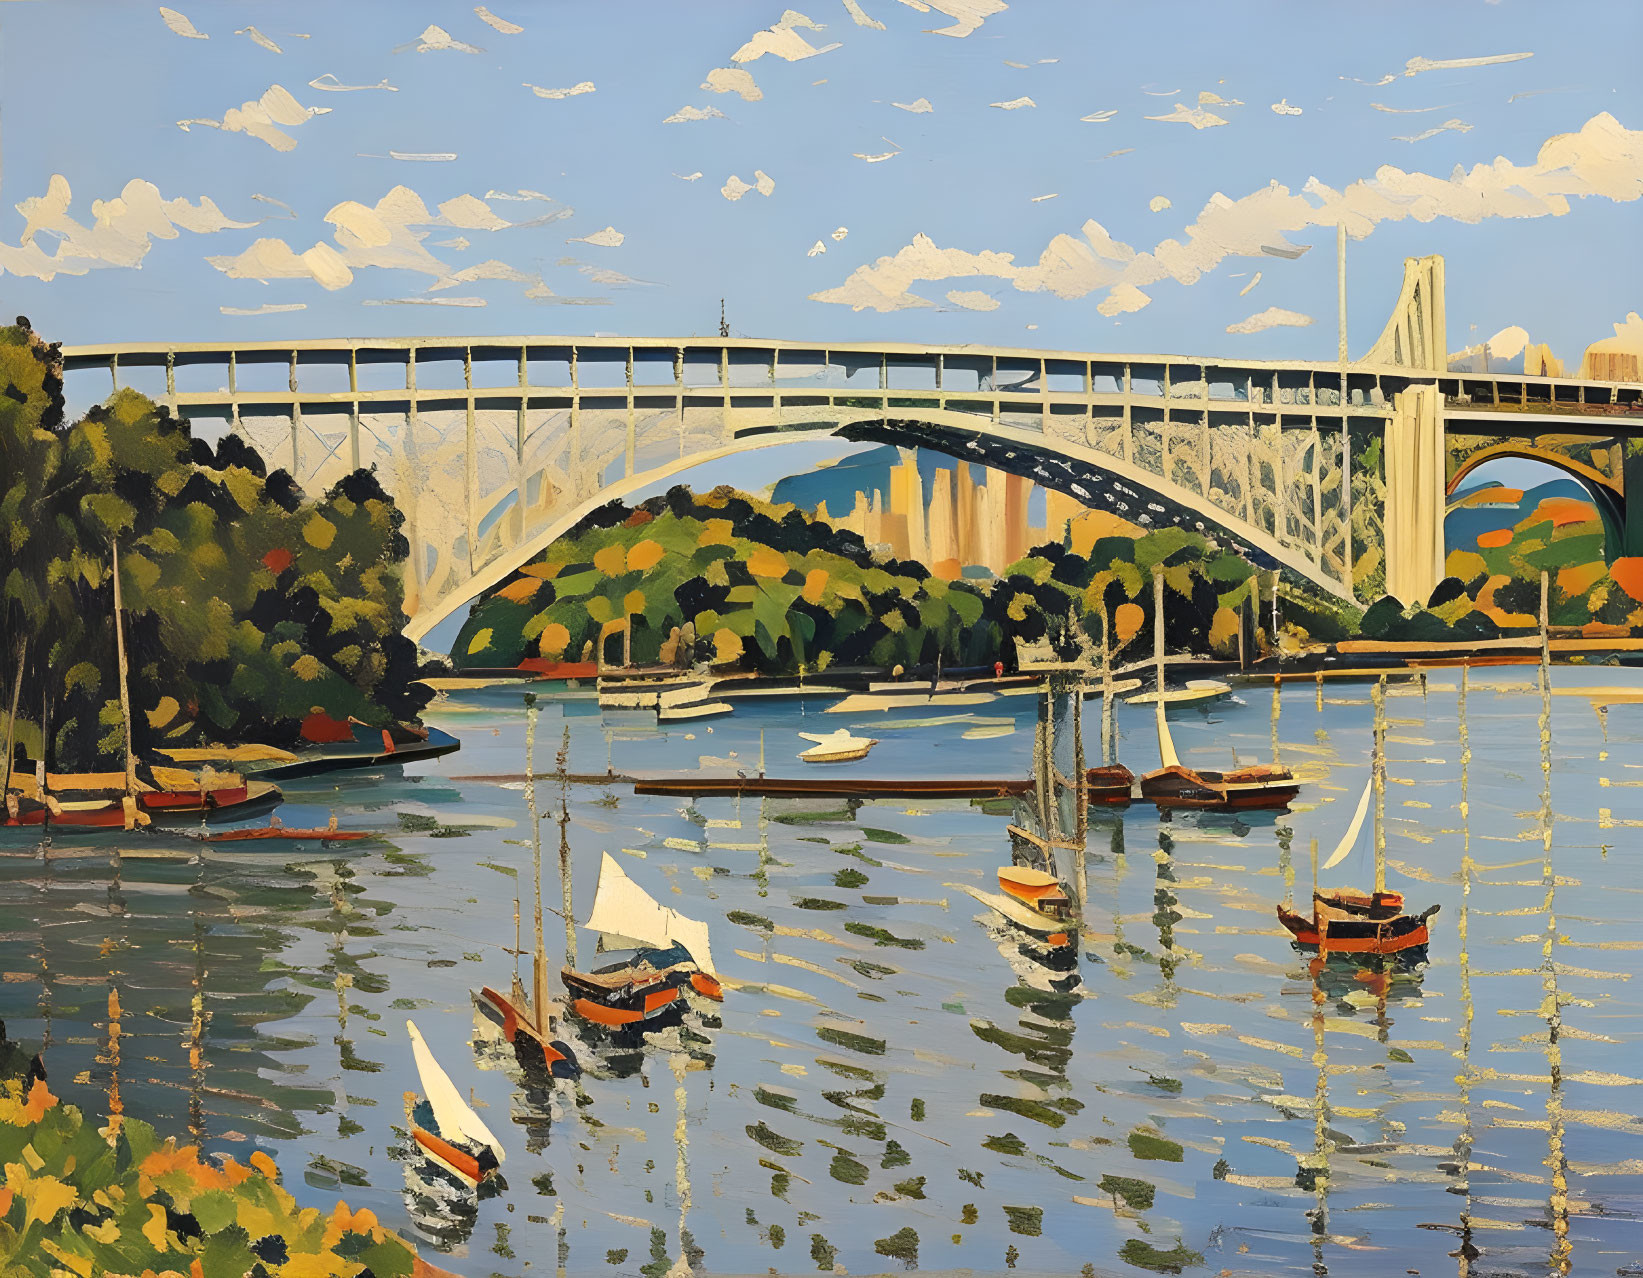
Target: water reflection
pixel 892 1066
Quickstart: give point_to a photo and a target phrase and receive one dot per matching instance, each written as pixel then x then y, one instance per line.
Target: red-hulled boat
pixel 1111 784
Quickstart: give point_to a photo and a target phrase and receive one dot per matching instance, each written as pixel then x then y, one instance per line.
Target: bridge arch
pixel 1052 461
pixel 1607 496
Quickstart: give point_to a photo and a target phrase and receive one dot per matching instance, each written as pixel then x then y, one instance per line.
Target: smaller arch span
pixel 1607 496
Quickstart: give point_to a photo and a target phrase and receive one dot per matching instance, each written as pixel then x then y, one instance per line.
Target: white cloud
pixel 336 86
pixel 689 177
pixel 859 16
pixel 265 119
pixel 816 249
pixel 783 41
pixel 687 114
pixel 1246 288
pixel 1282 107
pixel 1416 65
pixel 972 299
pixel 1053 195
pixel 1195 116
pixel 267 308
pixel 490 269
pixel 1014 104
pixel 967 15
pixel 1603 159
pixel 257 37
pixel 380 236
pixel 1123 300
pixel 423 157
pixel 438 40
pixel 840 232
pixel 496 23
pixel 274 259
pixel 733 80
pixel 1158 203
pixel 180 25
pixel 424 301
pixel 734 188
pixel 1208 99
pixel 610 237
pixel 918 106
pixel 576 90
pixel 1448 126
pixel 877 158
pixel 120 233
pixel 1098 117
pixel 1381 106
pixel 1272 317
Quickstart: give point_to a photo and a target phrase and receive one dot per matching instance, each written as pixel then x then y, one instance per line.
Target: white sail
pixel 1166 745
pixel 1352 831
pixel 623 909
pixel 455 1116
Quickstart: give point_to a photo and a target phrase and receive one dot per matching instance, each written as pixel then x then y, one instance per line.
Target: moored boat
pixel 836 747
pixel 671 954
pixel 103 800
pixel 1174 785
pixel 1037 889
pixel 445 1127
pixel 1111 784
pixel 1053 930
pixel 1352 922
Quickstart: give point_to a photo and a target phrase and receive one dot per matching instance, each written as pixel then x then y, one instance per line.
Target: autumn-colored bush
pixel 77 1200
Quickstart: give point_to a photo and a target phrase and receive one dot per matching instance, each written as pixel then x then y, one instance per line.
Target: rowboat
pixel 102 801
pixel 445 1127
pixel 1110 784
pixel 1193 692
pixel 693 710
pixel 275 830
pixel 1037 889
pixel 1049 928
pixel 836 747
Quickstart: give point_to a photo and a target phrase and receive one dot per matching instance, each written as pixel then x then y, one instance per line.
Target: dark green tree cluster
pixel 725 578
pixel 246 604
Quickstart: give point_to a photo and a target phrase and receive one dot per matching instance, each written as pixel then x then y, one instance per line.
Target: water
pixel 1196 1090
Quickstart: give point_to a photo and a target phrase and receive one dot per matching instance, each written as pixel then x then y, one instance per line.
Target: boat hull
pixel 1363 935
pixel 1243 788
pixel 529 1046
pixel 1111 785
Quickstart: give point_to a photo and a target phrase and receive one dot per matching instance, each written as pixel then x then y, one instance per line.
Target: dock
pixel 856 787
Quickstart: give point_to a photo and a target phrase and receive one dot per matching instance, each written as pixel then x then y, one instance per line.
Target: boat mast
pixel 1379 771
pixel 539 975
pixel 11 720
pixel 1158 648
pixel 125 692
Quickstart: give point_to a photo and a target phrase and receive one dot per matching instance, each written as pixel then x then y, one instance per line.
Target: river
pixel 892 1080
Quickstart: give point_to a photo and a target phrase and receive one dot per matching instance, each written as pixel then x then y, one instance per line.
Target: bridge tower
pixel 1415 338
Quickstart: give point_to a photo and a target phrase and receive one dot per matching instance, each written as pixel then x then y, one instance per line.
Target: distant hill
pixel 1491 508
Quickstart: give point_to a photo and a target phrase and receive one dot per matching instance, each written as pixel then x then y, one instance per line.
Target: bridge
pixel 1337 473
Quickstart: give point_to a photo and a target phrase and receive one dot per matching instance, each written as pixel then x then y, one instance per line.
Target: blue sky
pixel 93 92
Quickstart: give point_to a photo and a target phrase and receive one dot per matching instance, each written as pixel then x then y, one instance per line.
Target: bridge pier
pixel 1631 478
pixel 1414 465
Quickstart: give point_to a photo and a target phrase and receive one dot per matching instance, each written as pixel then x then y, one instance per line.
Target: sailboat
pixel 671 953
pixel 126 800
pixel 527 1023
pixel 1174 785
pixel 444 1126
pixel 1348 922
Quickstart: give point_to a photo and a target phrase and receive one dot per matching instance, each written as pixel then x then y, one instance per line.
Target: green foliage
pixel 79 1200
pixel 246 603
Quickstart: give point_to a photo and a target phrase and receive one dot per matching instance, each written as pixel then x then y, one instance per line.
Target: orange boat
pixel 444 1126
pixel 1358 923
pixel 1035 888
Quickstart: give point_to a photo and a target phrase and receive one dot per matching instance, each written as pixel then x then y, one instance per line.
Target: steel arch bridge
pixel 494 447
